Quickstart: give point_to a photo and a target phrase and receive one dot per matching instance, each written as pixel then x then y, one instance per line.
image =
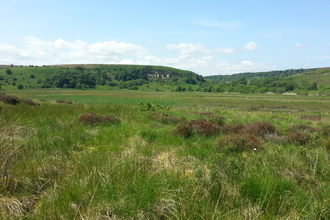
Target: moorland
pixel 154 153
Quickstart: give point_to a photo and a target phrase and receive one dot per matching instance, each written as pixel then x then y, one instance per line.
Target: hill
pixel 250 75
pixel 85 76
pixel 300 81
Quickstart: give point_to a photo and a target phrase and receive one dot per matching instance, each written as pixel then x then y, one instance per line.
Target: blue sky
pixel 209 37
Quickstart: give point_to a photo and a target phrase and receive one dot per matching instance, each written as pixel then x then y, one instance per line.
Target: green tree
pixel 20 86
pixel 8 71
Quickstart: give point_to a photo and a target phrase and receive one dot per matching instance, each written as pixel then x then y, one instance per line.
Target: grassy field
pixel 164 155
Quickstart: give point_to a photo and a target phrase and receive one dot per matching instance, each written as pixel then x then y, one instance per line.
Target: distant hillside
pixel 300 81
pixel 85 76
pixel 250 75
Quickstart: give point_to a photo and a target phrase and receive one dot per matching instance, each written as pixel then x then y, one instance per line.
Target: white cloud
pixel 39 52
pixel 194 57
pixel 187 50
pixel 298 45
pixel 225 50
pixel 251 46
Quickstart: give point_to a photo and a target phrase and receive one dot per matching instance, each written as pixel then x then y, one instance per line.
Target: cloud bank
pixel 193 56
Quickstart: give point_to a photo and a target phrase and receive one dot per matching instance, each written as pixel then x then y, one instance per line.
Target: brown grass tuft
pixel 184 129
pixel 29 102
pixel 92 118
pixel 201 127
pixel 311 117
pixel 63 102
pixel 218 119
pixel 239 142
pixel 302 128
pixel 260 128
pixel 165 118
pixel 233 128
pixel 325 130
pixel 9 99
pixel 298 138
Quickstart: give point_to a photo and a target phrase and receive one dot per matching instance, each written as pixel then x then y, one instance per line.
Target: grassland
pixel 166 156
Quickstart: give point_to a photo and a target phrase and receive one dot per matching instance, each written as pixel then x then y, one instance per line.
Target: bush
pixel 29 102
pixel 204 127
pixel 218 119
pixel 233 128
pixel 20 86
pixel 201 127
pixel 64 102
pixel 260 128
pixel 147 106
pixel 298 138
pixel 311 117
pixel 326 130
pixel 9 99
pixel 302 128
pixel 92 118
pixel 184 129
pixel 165 118
pixel 238 143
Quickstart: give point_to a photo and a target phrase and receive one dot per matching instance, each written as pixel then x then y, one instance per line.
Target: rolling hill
pixel 89 76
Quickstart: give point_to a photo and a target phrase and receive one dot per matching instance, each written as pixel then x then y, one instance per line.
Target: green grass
pixel 53 167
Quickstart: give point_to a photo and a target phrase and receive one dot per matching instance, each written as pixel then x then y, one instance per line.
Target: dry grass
pixel 311 117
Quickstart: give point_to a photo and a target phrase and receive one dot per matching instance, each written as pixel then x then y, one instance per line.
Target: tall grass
pixel 238 163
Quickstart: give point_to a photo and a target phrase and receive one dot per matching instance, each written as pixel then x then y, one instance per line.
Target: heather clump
pixel 9 99
pixel 298 138
pixel 63 102
pixel 238 143
pixel 165 118
pixel 92 118
pixel 202 127
pixel 260 128
pixel 311 117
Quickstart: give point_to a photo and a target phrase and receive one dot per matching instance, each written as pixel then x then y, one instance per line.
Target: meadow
pixel 164 155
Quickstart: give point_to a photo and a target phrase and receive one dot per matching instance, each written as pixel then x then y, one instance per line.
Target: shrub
pixel 165 118
pixel 298 138
pixel 64 102
pixel 311 117
pixel 9 99
pixel 20 86
pixel 218 119
pixel 237 143
pixel 147 106
pixel 233 128
pixel 260 128
pixel 29 102
pixel 302 128
pixel 204 127
pixel 92 118
pixel 326 130
pixel 184 129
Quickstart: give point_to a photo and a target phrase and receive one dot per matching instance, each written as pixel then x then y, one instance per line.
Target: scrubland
pixel 162 155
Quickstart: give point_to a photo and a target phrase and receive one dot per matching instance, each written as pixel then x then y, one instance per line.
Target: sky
pixel 209 37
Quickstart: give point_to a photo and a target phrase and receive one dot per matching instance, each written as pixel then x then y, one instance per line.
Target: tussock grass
pixel 238 163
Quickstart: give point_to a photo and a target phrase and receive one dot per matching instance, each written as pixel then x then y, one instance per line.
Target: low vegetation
pixel 151 155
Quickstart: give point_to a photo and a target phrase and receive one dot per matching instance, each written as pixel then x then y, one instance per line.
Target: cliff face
pixel 157 75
